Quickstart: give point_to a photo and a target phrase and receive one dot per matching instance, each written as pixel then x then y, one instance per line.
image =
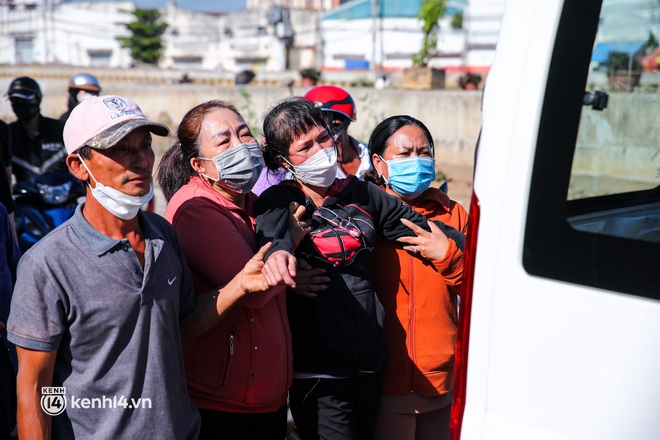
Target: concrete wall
pixel 453 117
pixel 613 142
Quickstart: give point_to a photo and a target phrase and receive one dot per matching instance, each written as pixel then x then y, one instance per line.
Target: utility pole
pixel 381 18
pixel 320 55
pixel 44 18
pixel 374 31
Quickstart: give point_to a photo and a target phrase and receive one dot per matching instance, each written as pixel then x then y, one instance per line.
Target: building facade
pixel 268 36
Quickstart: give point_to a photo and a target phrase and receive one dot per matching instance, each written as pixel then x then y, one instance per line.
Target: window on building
pixel 188 63
pixel 24 50
pixel 99 58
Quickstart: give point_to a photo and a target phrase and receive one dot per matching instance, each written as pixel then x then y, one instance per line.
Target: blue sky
pixel 195 5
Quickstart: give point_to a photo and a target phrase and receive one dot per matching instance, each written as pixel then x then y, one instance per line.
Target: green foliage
pixel 247 111
pixel 145 42
pixel 621 61
pixel 310 72
pixel 370 110
pixel 430 12
pixel 469 78
pixel 362 82
pixel 651 43
pixel 457 20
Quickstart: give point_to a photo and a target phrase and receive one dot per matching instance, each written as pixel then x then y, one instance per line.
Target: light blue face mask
pixel 411 176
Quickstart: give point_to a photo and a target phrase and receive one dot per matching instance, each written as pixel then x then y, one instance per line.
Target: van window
pixel 594 207
pixel 618 148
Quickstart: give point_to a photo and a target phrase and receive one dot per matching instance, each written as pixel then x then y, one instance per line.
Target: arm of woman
pixel 212 306
pixel 436 247
pixel 391 210
pixel 215 248
pixel 273 215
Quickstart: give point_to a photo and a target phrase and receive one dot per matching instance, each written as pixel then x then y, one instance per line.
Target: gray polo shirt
pixel 115 328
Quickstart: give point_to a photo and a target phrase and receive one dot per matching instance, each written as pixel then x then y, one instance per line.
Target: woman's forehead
pixel 220 122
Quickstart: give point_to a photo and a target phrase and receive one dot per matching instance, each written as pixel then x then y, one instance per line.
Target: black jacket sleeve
pixel 391 210
pixel 272 215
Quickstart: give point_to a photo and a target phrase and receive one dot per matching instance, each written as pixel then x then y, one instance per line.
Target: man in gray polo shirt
pixel 101 303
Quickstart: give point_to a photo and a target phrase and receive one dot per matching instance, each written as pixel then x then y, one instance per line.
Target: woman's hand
pixel 430 245
pixel 298 228
pixel 252 278
pixel 309 280
pixel 279 269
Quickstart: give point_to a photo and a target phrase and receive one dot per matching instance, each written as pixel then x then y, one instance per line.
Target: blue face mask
pixel 411 176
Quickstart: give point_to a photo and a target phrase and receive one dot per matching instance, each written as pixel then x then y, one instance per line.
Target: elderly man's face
pixel 127 166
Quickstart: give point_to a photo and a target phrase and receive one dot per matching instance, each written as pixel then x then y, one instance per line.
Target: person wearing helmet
pixel 81 86
pixel 37 146
pixel 339 109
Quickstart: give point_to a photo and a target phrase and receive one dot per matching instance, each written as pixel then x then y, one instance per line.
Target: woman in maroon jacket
pixel 238 372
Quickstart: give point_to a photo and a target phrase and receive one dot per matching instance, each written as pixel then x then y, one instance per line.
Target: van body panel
pixel 553 356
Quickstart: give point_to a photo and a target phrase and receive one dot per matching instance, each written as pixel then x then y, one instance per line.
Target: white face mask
pixel 318 170
pixel 116 202
pixel 238 168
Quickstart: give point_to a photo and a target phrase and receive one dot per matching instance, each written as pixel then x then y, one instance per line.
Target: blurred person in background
pixel 81 86
pixel 37 146
pixel 420 299
pixel 5 149
pixel 9 256
pixel 339 110
pixel 6 197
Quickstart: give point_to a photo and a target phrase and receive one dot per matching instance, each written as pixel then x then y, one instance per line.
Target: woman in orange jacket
pixel 420 299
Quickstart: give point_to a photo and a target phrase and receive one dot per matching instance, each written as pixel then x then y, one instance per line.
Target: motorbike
pixel 43 203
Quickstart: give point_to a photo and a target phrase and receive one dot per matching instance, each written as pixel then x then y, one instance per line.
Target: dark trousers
pixel 217 425
pixel 336 409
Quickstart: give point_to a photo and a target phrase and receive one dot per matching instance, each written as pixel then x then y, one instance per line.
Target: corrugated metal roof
pixel 360 9
pixel 602 51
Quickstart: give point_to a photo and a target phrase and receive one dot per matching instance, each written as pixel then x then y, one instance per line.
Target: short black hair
pixel 383 132
pixel 288 119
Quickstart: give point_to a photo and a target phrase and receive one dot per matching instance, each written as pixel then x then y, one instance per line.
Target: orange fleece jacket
pixel 420 301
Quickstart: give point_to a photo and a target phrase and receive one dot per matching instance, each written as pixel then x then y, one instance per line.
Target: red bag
pixel 335 245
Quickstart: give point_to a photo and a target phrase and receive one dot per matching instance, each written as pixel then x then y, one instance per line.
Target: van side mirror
pixel 597 99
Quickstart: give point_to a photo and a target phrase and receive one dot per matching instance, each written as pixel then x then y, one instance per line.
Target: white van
pixel 560 308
